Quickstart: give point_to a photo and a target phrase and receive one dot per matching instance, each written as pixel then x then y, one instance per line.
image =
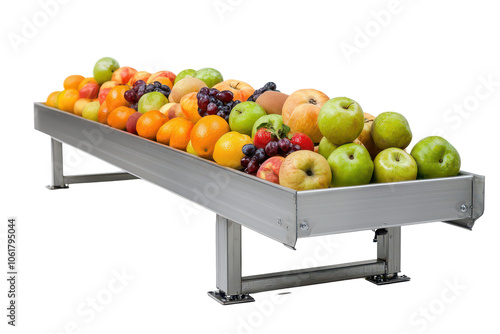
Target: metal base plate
pixel 57 187
pixel 223 299
pixel 382 280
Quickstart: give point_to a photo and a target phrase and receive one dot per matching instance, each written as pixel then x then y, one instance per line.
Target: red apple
pixel 270 169
pixel 123 75
pixel 89 91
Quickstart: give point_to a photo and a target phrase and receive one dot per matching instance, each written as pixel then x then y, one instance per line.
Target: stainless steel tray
pixel 277 212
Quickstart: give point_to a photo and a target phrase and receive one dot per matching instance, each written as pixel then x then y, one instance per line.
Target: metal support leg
pixel 389 250
pixel 61 181
pixel 228 263
pixel 57 165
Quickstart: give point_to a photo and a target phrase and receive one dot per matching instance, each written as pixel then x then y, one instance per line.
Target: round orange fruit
pixel 149 123
pixel 116 97
pixel 52 99
pixel 118 118
pixel 73 81
pixel 205 134
pixel 227 150
pixel 176 133
pixel 66 100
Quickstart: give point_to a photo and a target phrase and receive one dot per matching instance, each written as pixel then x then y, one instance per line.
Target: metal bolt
pixel 463 208
pixel 304 226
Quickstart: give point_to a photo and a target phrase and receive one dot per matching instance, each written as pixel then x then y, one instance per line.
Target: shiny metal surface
pixel 385 205
pixel 309 276
pixel 252 202
pixel 272 210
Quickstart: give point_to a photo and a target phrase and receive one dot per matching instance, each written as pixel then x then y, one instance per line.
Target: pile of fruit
pixel 303 141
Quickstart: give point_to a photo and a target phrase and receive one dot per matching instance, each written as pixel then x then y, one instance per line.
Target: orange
pixel 66 100
pixel 149 123
pixel 118 118
pixel 73 81
pixel 52 99
pixel 176 133
pixel 103 113
pixel 189 106
pixel 85 81
pixel 205 134
pixel 115 97
pixel 227 150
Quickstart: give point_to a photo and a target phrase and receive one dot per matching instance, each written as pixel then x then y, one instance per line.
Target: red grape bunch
pixel 140 88
pixel 211 101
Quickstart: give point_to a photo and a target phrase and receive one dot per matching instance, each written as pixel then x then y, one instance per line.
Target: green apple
pixel 151 101
pixel 244 115
pixel 341 120
pixel 104 68
pixel 436 157
pixel 91 110
pixel 210 76
pixel 391 129
pixel 326 147
pixel 351 165
pixel 276 121
pixel 189 73
pixel 394 165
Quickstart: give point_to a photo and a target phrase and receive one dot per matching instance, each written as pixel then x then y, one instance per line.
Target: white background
pixel 426 58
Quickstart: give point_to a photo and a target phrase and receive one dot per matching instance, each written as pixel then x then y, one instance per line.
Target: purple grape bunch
pixel 140 88
pixel 254 157
pixel 211 101
pixel 260 91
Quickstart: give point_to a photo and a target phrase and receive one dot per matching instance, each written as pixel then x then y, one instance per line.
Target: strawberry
pixel 267 132
pixel 303 140
pixel 262 137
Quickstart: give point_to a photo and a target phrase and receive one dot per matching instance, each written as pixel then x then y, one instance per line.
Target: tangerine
pixel 73 81
pixel 149 123
pixel 205 134
pixel 52 99
pixel 118 118
pixel 176 133
pixel 116 98
pixel 66 100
